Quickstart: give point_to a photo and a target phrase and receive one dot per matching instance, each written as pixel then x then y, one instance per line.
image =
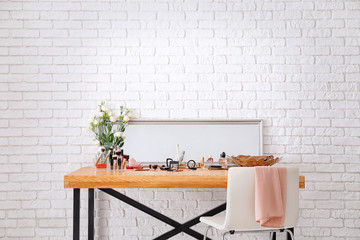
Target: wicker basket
pixel 252 161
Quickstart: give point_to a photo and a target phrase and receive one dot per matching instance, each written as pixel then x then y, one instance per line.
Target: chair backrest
pixel 240 205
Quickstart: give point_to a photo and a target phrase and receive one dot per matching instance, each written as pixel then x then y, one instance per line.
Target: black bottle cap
pixel 223 155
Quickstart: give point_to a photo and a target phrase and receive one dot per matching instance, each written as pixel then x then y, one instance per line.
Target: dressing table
pixel 90 178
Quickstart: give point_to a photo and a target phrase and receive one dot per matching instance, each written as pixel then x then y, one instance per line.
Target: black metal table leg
pixel 91 214
pixel 192 222
pixel 288 237
pixel 153 213
pixel 273 236
pixel 76 214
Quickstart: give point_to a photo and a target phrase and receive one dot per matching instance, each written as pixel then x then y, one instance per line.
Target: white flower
pixel 101 114
pixel 123 137
pixel 127 118
pixel 110 114
pixel 118 134
pixel 96 122
pixel 97 142
pixel 112 119
pixel 104 108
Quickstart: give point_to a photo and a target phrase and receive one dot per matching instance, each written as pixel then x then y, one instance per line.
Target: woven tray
pixel 252 161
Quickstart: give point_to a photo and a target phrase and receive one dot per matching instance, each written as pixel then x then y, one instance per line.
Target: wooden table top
pixel 88 177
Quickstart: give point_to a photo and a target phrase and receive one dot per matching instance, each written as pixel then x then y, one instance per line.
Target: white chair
pixel 240 204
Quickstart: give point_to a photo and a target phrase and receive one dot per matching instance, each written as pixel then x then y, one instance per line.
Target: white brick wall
pixel 294 64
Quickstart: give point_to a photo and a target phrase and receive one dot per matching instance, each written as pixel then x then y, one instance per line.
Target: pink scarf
pixel 270 196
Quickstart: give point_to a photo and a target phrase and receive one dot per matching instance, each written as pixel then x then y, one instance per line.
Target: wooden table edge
pixel 150 181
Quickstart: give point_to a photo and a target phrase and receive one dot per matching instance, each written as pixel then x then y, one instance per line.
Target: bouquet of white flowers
pixel 109 129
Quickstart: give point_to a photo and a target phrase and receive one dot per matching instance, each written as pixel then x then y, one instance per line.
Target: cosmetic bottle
pixel 223 160
pixel 202 162
pixel 210 159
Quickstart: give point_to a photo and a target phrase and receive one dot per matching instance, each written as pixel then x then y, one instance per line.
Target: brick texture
pixel 294 64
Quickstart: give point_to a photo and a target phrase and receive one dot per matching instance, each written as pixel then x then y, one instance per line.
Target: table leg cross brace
pixel 178 226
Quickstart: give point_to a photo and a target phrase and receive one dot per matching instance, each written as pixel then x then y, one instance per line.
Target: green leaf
pixel 103 136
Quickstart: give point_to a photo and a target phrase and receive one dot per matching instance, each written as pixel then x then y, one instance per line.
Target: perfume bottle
pixel 210 159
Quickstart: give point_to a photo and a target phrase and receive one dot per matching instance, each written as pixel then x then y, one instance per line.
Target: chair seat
pixel 218 221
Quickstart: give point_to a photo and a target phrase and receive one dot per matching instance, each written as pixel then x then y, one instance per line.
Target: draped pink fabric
pixel 270 196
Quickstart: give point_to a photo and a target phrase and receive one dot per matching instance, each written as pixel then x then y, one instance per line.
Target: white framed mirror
pixel 154 141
